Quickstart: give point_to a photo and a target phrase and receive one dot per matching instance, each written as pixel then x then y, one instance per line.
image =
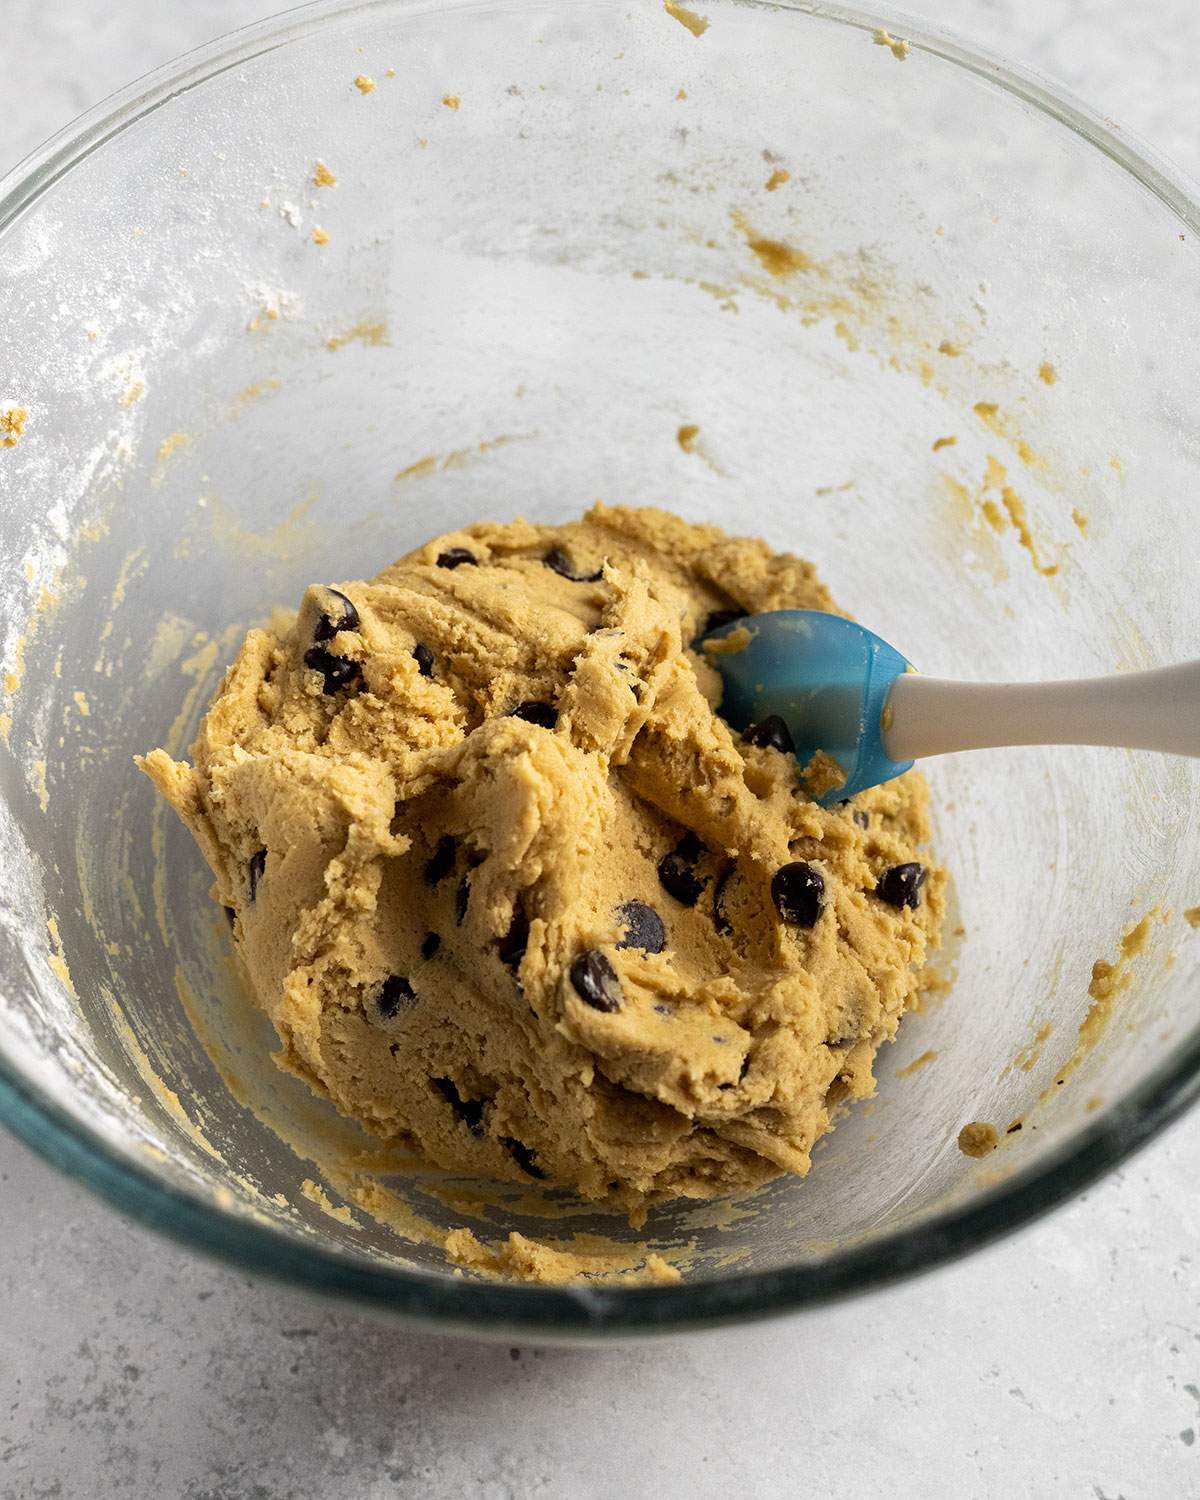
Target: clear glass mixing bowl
pixel 559 234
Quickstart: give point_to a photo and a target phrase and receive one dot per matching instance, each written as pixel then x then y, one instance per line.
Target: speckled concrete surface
pixel 1065 1362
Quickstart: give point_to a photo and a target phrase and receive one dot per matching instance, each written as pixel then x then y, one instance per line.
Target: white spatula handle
pixel 1157 710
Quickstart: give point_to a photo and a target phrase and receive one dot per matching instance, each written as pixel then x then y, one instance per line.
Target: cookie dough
pixel 512 891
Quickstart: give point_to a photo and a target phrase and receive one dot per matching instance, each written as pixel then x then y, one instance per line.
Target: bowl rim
pixel 506 1309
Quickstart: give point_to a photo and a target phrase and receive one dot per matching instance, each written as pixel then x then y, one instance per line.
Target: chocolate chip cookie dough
pixel 512 891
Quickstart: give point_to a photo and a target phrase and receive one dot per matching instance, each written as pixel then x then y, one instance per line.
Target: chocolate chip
pixel 230 915
pixel 258 868
pixel 544 714
pixel 665 1010
pixel 861 817
pixel 643 927
pixel 720 921
pixel 424 659
pixel 441 861
pixel 523 1155
pixel 455 557
pixel 469 1111
pixel 461 898
pixel 901 885
pixel 342 616
pixel 515 940
pixel 558 562
pixel 770 733
pixel 689 848
pixel 338 671
pixel 395 995
pixel 679 879
pixel 798 891
pixel 430 944
pixel 721 617
pixel 596 981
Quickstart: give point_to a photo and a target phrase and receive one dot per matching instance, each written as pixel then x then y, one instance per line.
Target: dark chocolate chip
pixel 544 714
pixel 721 617
pixel 720 921
pixel 395 995
pixel 430 944
pixel 596 981
pixel 523 1155
pixel 230 915
pixel 342 616
pixel 258 868
pixel 679 879
pixel 462 897
pixel 338 671
pixel 798 891
pixel 455 557
pixel 901 885
pixel 515 940
pixel 1013 1128
pixel 558 562
pixel 424 659
pixel 642 927
pixel 689 848
pixel 861 817
pixel 441 861
pixel 469 1111
pixel 770 733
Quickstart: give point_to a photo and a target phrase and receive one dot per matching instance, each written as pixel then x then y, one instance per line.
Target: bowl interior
pixel 931 339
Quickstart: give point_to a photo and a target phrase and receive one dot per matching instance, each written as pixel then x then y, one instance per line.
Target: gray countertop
pixel 1064 1362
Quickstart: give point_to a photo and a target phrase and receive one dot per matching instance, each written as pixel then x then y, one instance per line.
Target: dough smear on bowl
pixel 512 891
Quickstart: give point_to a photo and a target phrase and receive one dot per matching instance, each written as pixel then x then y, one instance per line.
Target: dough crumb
pixel 687 435
pixel 777 179
pixel 896 45
pixel 822 775
pixel 451 101
pixel 697 25
pixel 1108 981
pixel 776 257
pixel 1047 373
pixel 526 1259
pixel 977 1138
pixel 944 442
pixel 364 85
pixel 730 645
pixel 322 176
pixel 317 1195
pixel 320 236
pixel 12 425
pixel 370 331
pixel 1192 916
pixel 1080 519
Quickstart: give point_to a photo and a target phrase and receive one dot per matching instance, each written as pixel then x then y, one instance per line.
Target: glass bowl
pixel 937 330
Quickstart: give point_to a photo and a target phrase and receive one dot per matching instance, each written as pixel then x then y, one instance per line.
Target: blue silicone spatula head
pixel 827 678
